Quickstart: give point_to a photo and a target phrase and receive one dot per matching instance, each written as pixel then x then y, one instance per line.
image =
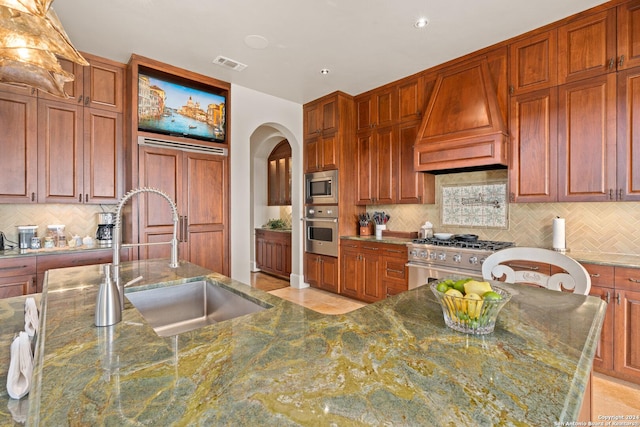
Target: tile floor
pixel 611 396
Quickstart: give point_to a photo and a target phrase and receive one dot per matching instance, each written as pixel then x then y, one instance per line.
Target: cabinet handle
pixel 606 298
pixel 619 193
pixel 80 99
pixel 80 198
pixel 87 100
pixel 371 248
pixel 13 268
pixel 394 271
pixel 33 196
pixel 611 196
pixel 611 62
pixel 526 267
pixel 86 198
pixel 395 251
pixel 186 228
pixel 595 275
pixel 621 61
pixel 618 297
pixel 631 279
pixel 511 90
pixel 33 91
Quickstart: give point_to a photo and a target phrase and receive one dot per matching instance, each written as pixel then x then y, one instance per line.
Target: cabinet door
pixel 273 183
pixel 19 160
pixel 629 35
pixel 329 152
pixel 60 152
pixel 103 85
pixel 386 163
pixel 533 63
pixel 329 268
pixel 364 113
pixel 103 156
pixel 366 168
pixel 587 47
pixel 311 155
pixel 16 286
pixel 603 359
pixel 72 88
pixel 628 140
pixel 329 114
pixel 534 154
pixel 371 285
pixel 627 334
pixel 411 98
pixel 411 186
pixel 587 140
pixel 260 248
pixel 312 120
pixel 351 273
pixel 205 210
pixel 312 269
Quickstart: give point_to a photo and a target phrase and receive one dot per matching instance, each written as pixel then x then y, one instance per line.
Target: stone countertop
pixel 385 239
pixel 12 253
pixel 389 363
pixel 277 230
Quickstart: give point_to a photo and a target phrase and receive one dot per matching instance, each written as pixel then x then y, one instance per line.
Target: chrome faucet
pixel 117 245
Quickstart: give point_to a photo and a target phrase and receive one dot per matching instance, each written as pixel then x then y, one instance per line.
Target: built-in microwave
pixel 321 187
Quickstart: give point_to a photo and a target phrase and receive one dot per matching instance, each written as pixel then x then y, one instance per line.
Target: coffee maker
pixel 104 233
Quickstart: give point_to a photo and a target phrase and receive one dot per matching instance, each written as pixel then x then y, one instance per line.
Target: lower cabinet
pixel 371 271
pixel 321 271
pixel 273 252
pixel 618 352
pixel 17 276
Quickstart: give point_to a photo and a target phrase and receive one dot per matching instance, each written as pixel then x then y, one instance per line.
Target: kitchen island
pixel 389 363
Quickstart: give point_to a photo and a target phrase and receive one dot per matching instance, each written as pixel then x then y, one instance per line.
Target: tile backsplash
pixel 78 219
pixel 609 227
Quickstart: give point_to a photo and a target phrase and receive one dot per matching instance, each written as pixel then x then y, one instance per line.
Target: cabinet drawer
pixel 601 275
pixel 627 278
pixel 48 262
pixel 396 251
pixel 394 269
pixel 17 266
pixel 16 286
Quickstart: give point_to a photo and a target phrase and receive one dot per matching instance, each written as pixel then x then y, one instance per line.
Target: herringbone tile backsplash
pixel 612 227
pixel 78 219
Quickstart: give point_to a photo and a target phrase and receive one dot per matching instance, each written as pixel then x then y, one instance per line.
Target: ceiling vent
pixel 184 146
pixel 229 63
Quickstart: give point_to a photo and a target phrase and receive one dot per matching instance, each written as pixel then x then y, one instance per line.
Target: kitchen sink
pixel 181 308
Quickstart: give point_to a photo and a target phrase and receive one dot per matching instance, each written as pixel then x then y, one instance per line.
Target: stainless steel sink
pixel 176 309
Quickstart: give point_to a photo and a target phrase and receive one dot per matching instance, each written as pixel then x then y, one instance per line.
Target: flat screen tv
pixel 170 106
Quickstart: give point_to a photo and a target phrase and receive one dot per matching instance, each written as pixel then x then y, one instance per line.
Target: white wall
pixel 255 118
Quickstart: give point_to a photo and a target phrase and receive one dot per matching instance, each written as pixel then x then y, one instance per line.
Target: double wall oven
pixel 321 229
pixel 461 256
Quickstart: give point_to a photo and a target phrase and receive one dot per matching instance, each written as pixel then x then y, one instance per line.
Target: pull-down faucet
pixel 116 236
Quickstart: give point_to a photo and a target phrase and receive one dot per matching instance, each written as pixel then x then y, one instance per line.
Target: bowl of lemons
pixel 470 306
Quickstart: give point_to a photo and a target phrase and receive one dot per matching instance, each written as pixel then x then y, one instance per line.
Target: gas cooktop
pixel 487 245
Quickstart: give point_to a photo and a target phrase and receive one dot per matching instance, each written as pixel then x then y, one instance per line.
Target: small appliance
pixel 104 233
pixel 321 187
pixel 25 233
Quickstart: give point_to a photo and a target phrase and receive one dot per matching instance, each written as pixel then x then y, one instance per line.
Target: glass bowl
pixel 471 316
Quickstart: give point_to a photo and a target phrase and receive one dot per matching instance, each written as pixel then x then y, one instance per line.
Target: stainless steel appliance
pixel 321 187
pixel 104 233
pixel 321 230
pixel 461 256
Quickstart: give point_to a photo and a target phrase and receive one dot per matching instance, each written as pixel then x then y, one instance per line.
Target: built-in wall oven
pixel 459 257
pixel 321 229
pixel 321 188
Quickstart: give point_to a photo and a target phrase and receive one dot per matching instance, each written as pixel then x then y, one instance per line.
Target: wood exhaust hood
pixel 464 126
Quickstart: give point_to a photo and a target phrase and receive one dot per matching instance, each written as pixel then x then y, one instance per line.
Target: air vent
pixel 184 146
pixel 229 63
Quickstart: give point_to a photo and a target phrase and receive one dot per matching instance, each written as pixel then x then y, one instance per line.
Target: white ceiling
pixel 364 43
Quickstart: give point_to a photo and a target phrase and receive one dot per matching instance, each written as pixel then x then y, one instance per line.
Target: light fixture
pixel 421 23
pixel 33 38
pixel 324 71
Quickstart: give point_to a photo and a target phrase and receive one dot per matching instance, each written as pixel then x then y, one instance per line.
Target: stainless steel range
pixel 461 256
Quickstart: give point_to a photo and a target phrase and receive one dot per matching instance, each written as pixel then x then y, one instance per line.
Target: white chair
pixel 574 278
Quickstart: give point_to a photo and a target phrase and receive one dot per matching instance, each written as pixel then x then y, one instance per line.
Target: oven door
pixel 422 274
pixel 321 236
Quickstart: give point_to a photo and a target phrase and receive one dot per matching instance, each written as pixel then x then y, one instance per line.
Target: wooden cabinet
pixel 533 63
pixel 19 160
pixel 279 175
pixel 273 252
pixel 628 35
pixel 17 276
pixel 602 286
pixel 198 183
pixel 326 127
pixel 586 139
pixel 79 141
pixel 371 271
pixel 628 140
pixel 377 163
pixel 377 108
pixel 360 271
pixel 321 271
pixel 587 47
pixel 412 95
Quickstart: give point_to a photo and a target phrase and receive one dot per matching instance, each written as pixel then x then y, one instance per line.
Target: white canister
pixel 379 228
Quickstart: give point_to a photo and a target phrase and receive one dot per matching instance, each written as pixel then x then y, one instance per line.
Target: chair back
pixel 574 277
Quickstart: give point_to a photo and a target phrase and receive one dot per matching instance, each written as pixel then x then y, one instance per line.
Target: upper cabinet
pixel 279 175
pixel 66 150
pixel 629 35
pixel 377 108
pixel 533 63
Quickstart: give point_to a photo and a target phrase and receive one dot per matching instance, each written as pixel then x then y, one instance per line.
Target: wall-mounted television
pixel 172 106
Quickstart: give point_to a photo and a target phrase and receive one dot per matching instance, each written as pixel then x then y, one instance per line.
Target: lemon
pixel 475 287
pixel 454 293
pixel 491 295
pixel 458 303
pixel 474 305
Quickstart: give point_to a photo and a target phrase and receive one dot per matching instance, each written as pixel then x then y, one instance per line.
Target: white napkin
pixel 30 316
pixel 20 367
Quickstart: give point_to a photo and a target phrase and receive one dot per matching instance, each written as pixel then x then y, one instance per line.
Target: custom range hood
pixel 464 126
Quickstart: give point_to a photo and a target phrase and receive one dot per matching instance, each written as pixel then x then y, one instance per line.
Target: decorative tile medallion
pixel 479 205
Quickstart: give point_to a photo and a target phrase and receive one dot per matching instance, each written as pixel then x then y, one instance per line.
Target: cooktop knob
pixel 423 254
pixel 433 255
pixel 442 256
pixel 414 252
pixel 473 260
pixel 457 258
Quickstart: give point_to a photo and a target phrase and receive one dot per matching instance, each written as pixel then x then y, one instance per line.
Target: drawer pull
pixel 595 275
pixel 17 267
pixel 618 297
pixel 395 251
pixel 526 267
pixel 370 248
pixel 631 279
pixel 395 271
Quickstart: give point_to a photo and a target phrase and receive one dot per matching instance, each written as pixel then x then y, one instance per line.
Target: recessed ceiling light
pixel 421 23
pixel 324 71
pixel 256 42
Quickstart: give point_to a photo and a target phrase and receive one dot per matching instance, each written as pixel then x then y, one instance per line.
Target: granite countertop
pixel 11 253
pixel 389 363
pixel 277 230
pixel 385 239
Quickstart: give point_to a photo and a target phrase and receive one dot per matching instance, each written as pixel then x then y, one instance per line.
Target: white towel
pixel 30 316
pixel 20 367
